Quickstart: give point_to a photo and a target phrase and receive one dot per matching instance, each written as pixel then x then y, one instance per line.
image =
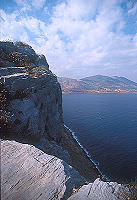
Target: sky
pixel 79 38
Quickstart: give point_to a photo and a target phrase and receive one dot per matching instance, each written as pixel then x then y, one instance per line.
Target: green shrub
pixel 37 71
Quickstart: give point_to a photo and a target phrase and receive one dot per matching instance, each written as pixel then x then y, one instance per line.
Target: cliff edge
pixel 31 95
pixel 31 106
pixel 29 173
pixel 31 112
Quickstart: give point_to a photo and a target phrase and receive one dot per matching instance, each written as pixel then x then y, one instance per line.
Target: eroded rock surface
pixel 99 190
pixel 30 94
pixel 20 54
pixel 31 106
pixel 28 173
pixel 31 112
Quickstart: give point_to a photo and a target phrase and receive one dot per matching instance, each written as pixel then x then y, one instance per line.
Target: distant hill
pixel 98 83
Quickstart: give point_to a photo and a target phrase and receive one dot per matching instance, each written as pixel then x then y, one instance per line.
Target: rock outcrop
pixel 29 173
pixel 30 94
pixel 20 54
pixel 99 190
pixel 31 109
pixel 31 112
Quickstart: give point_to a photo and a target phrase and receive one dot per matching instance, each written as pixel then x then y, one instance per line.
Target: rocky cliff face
pixel 31 106
pixel 29 173
pixel 99 190
pixel 20 54
pixel 31 112
pixel 30 94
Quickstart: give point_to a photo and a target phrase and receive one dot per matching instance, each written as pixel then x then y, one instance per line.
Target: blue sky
pixel 78 37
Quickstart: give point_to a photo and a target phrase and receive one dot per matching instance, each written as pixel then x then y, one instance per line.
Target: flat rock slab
pixel 28 173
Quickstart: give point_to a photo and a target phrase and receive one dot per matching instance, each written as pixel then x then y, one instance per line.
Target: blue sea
pixel 106 126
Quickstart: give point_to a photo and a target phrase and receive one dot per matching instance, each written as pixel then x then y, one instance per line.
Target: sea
pixel 106 127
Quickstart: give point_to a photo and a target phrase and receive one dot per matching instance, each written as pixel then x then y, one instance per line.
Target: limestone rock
pixel 31 111
pixel 30 95
pixel 6 71
pixel 99 190
pixel 52 148
pixel 29 173
pixel 20 54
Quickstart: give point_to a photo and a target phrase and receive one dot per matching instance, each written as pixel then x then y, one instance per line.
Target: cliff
pixel 29 173
pixel 31 112
pixel 31 94
pixel 31 106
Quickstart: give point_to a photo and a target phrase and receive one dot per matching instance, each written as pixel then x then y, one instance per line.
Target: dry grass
pixel 18 59
pixel 23 44
pixel 37 71
pixel 133 189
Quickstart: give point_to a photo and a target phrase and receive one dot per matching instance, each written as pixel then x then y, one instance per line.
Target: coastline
pixel 85 151
pixel 86 92
pixel 81 160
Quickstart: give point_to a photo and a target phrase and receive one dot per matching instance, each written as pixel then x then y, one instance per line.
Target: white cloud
pixel 24 4
pixel 18 29
pixel 82 38
pixel 133 10
pixel 76 9
pixel 11 28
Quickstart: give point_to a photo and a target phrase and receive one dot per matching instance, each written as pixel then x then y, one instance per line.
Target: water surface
pixel 106 125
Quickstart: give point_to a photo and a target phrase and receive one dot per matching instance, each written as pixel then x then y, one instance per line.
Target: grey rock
pixel 11 52
pixel 99 190
pixel 5 64
pixel 5 71
pixel 31 111
pixel 6 48
pixel 33 103
pixel 53 149
pixel 36 104
pixel 29 173
pixel 41 61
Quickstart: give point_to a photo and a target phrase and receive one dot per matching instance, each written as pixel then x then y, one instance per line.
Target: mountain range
pixel 99 84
